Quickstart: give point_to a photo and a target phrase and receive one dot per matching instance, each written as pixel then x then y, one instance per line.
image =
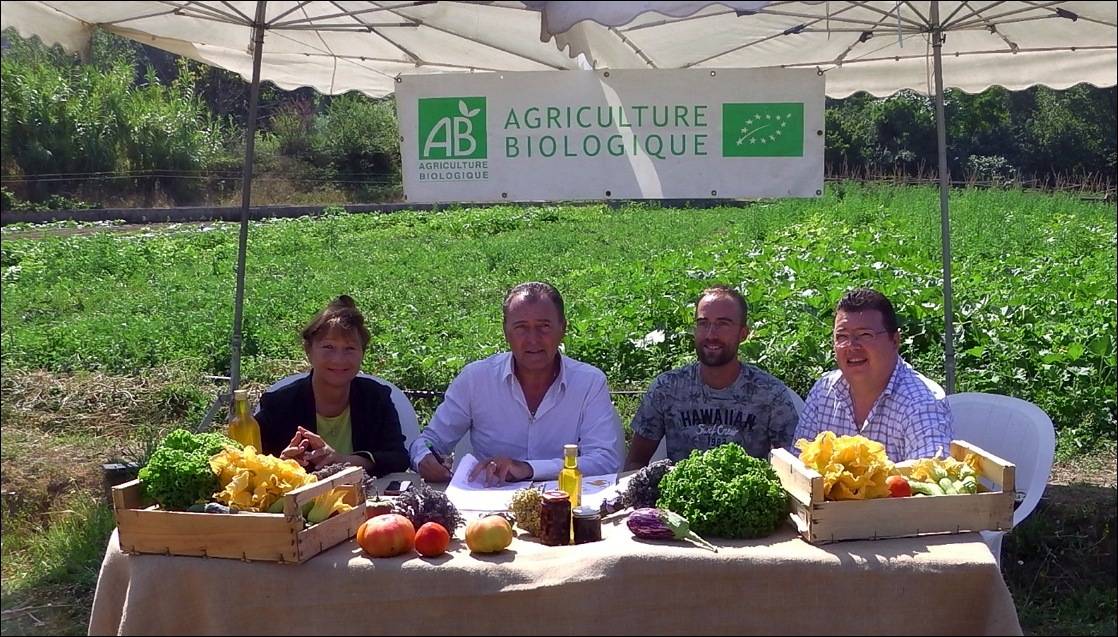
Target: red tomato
pixel 898 487
pixel 386 535
pixel 431 539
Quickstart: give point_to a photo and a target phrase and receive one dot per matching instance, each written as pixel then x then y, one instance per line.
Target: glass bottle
pixel 242 426
pixel 570 478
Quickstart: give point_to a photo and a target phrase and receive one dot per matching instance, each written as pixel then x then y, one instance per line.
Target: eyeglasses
pixel 863 336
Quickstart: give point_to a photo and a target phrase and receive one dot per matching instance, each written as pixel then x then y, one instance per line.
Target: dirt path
pixel 125 228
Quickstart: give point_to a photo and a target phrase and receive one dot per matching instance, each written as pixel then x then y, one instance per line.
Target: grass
pixel 51 561
pixel 1033 278
pixel 105 336
pixel 1060 562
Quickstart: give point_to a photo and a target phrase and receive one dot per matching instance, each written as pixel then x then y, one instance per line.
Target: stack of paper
pixel 474 495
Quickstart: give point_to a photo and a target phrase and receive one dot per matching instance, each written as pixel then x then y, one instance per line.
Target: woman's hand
pixel 310 450
pixel 318 452
pixel 296 449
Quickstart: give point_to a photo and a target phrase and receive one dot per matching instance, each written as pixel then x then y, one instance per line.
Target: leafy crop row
pixel 1033 275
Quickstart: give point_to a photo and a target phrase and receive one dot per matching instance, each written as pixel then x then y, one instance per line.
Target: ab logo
pixel 452 128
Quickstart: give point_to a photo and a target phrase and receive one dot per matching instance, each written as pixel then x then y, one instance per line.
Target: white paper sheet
pixel 473 495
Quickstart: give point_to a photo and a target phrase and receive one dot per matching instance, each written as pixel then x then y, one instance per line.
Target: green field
pixel 1034 286
pixel 105 334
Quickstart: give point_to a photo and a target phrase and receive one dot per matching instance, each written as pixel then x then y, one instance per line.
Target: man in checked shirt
pixel 874 392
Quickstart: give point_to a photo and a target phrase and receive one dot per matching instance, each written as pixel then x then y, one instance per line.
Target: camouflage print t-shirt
pixel 754 412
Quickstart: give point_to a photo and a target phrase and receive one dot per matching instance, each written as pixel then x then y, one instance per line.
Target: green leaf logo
pixel 466 112
pixel 452 128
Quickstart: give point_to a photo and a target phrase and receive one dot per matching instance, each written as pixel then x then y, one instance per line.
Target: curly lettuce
pixel 725 492
pixel 179 473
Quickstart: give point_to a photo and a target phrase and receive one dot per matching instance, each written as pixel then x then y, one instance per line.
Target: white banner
pixel 631 134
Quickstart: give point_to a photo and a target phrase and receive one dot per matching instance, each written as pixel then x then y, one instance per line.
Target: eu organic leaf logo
pixel 763 130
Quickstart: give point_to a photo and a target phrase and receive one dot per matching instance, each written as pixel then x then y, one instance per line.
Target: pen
pixel 437 455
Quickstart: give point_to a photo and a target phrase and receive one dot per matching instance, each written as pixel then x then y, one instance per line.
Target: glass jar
pixel 588 524
pixel 555 518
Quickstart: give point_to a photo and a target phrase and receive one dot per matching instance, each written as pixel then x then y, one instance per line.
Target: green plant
pixel 181 401
pixel 178 473
pixel 1034 287
pixel 291 125
pixel 358 137
pixel 71 119
pixel 51 563
pixel 140 448
pixel 724 492
pixel 990 167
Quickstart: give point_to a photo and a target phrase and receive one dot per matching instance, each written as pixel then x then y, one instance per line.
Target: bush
pixel 1071 131
pixel 990 168
pixel 291 125
pixel 358 137
pixel 1036 132
pixel 63 120
pixel 83 120
pixel 169 129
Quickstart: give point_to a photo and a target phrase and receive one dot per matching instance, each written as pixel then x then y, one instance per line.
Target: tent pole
pixel 944 213
pixel 246 195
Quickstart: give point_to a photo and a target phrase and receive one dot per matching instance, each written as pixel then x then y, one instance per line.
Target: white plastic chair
pixel 662 449
pixel 1014 430
pixel 409 422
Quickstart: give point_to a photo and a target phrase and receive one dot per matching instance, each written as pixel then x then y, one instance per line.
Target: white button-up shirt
pixel 487 402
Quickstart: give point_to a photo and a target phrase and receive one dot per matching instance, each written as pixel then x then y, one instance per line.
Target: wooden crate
pixel 271 537
pixel 820 521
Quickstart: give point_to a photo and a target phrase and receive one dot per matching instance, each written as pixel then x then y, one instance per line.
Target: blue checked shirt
pixel 910 417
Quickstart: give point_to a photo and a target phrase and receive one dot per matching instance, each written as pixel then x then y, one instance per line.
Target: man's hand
pixel 432 470
pixel 497 470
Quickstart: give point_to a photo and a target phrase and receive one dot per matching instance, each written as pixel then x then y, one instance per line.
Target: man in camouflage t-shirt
pixel 716 400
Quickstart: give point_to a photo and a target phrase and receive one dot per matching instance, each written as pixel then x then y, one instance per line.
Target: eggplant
pixel 660 524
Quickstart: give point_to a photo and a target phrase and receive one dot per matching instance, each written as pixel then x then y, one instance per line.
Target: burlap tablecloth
pixel 781 584
pixel 946 585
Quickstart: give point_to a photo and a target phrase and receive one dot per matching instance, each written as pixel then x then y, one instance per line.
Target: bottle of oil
pixel 570 478
pixel 242 426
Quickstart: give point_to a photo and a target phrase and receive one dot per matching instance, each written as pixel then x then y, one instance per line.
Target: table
pixel 780 584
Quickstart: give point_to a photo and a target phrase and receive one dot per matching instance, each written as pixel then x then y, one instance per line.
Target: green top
pixel 337 432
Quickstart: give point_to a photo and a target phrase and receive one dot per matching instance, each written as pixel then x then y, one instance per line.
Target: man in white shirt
pixel 520 407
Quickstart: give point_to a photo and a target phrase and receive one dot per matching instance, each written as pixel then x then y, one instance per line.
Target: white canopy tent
pixel 333 47
pixel 875 46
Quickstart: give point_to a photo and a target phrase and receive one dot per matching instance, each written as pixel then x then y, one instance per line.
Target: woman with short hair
pixel 333 413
